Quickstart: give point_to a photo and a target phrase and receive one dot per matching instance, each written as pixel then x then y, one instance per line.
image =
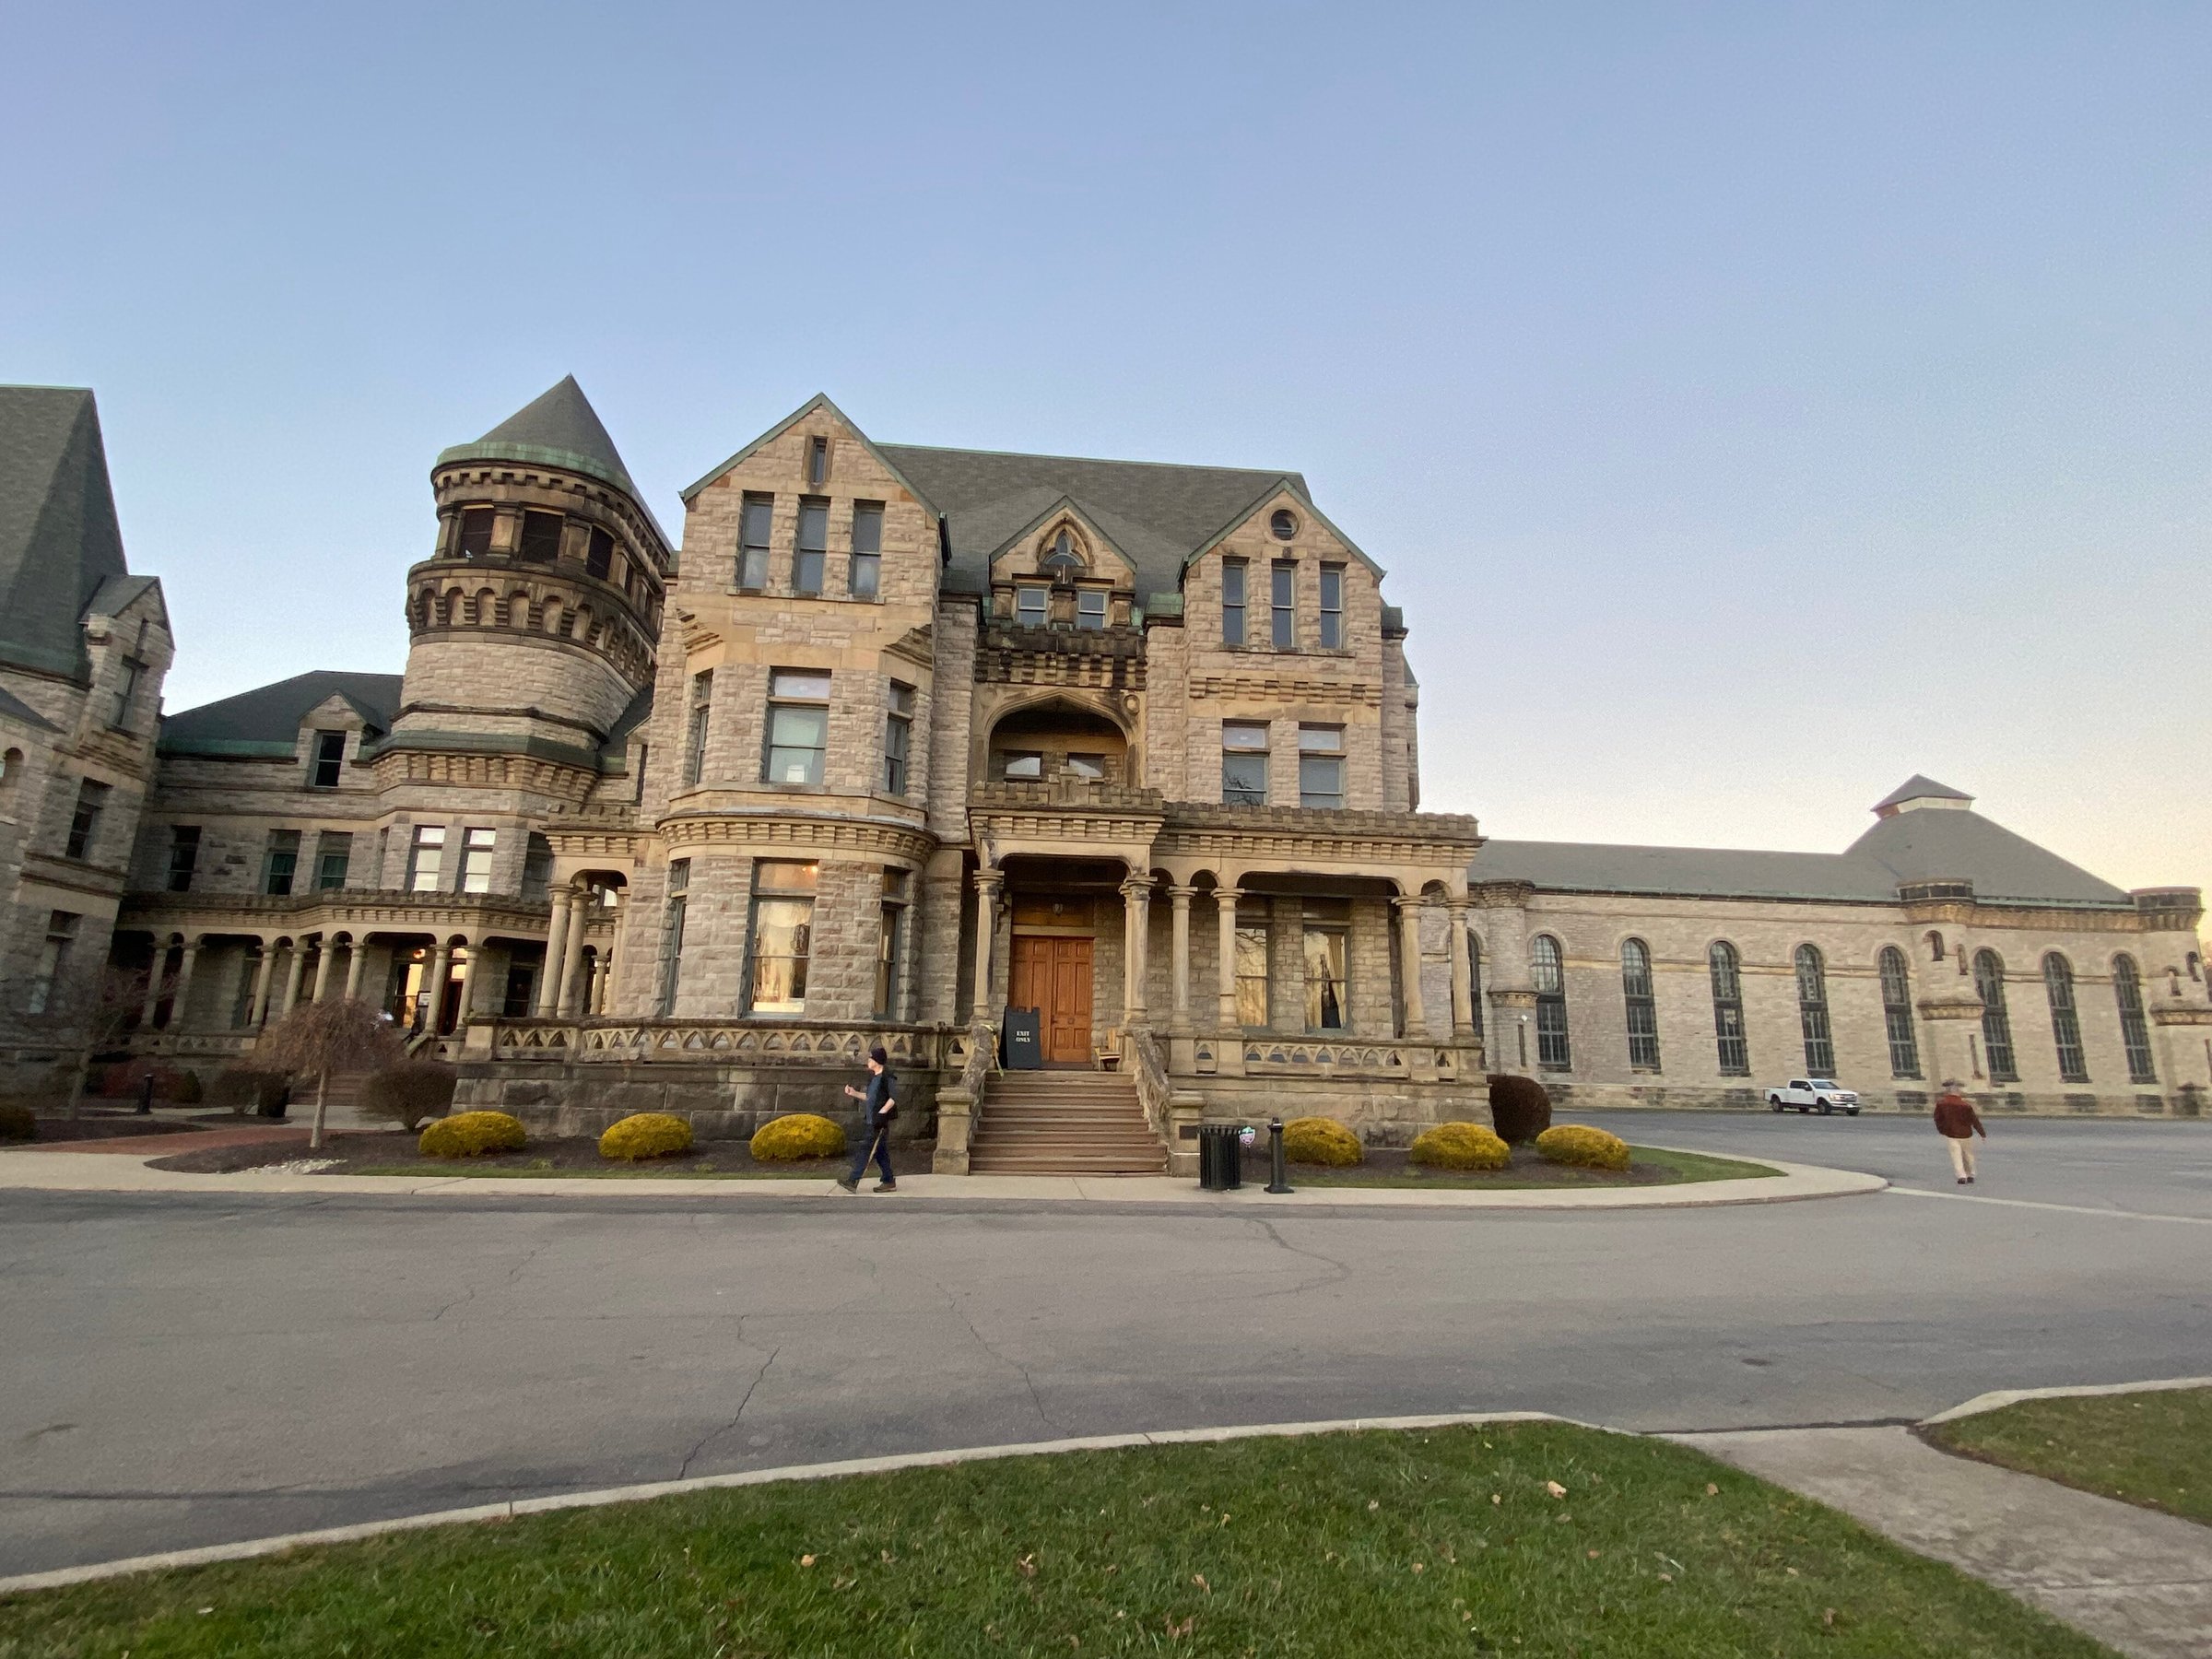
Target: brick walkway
pixel 169 1145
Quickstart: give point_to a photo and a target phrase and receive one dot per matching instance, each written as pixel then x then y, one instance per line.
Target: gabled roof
pixel 266 720
pixel 1291 484
pixel 819 401
pixel 1157 514
pixel 560 428
pixel 1919 787
pixel 59 538
pixel 1073 509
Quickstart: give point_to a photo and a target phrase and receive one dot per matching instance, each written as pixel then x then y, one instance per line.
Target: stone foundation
pixel 1385 1112
pixel 722 1102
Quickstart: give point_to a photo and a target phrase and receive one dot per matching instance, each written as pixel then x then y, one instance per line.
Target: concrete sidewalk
pixel 2137 1581
pixel 53 1169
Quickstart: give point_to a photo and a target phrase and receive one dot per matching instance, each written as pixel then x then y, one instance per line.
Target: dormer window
pixel 1062 562
pixel 1090 608
pixel 1030 606
pixel 329 760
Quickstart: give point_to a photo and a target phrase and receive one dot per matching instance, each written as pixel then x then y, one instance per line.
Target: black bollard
pixel 146 1096
pixel 1281 1184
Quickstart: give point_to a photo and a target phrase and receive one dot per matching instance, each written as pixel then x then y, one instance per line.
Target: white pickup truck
pixel 1822 1095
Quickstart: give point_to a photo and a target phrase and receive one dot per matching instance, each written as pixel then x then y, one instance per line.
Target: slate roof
pixel 1920 787
pixel 1958 845
pixel 559 428
pixel 266 720
pixel 1157 513
pixel 59 538
pixel 15 708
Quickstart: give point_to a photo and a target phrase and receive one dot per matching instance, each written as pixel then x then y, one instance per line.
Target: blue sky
pixel 1752 404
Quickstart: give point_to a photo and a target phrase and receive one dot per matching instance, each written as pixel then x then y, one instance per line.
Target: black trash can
pixel 1220 1156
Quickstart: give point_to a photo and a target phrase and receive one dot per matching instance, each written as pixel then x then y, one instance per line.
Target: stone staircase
pixel 1069 1123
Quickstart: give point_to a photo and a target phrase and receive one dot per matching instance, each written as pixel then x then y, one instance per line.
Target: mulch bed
pixel 1527 1170
pixel 358 1152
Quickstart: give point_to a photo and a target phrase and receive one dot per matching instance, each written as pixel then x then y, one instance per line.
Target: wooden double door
pixel 1052 974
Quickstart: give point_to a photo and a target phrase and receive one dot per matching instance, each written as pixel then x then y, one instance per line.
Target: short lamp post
pixel 1281 1179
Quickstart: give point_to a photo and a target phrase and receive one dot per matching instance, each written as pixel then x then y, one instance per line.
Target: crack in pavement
pixel 684 1468
pixel 1343 1270
pixel 1036 1399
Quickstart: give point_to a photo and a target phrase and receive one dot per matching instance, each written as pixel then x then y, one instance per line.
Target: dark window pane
pixel 1284 591
pixel 1996 1021
pixel 599 555
pixel 1244 779
pixel 541 536
pixel 755 521
pixel 474 541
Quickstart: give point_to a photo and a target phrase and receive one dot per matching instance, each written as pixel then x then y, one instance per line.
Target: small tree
pixel 316 1039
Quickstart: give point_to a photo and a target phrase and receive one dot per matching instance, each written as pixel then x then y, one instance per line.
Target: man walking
pixel 1957 1122
pixel 878 1102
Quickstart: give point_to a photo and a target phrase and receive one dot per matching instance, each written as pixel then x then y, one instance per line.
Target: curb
pixel 2003 1398
pixel 247 1550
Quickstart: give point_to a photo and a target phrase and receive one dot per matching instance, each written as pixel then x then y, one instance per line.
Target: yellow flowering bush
pixel 646 1134
pixel 1583 1146
pixel 798 1136
pixel 1321 1140
pixel 470 1134
pixel 1459 1147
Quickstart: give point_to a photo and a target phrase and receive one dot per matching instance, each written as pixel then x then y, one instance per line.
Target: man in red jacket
pixel 1957 1122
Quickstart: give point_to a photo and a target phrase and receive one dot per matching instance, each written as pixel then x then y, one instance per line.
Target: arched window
pixel 1062 560
pixel 1996 1024
pixel 1547 970
pixel 1642 1009
pixel 1935 946
pixel 1475 981
pixel 2134 1030
pixel 1897 1014
pixel 1728 1010
pixel 2065 1023
pixel 1812 1012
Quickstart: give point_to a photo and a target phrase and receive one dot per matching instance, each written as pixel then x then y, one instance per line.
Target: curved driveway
pixel 189 1370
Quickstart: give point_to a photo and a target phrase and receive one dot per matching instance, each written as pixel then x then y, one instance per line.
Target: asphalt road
pixel 189 1370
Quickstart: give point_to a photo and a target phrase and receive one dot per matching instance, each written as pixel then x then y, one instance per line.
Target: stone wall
pixel 1385 1112
pixel 722 1102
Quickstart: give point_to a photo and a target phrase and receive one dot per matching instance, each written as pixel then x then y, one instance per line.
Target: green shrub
pixel 246 1087
pixel 184 1089
pixel 800 1135
pixel 1583 1146
pixel 1321 1140
pixel 473 1134
pixel 646 1134
pixel 1521 1107
pixel 1459 1147
pixel 408 1091
pixel 19 1123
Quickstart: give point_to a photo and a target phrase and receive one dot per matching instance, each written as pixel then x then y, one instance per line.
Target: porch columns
pixel 469 983
pixel 557 943
pixel 153 984
pixel 571 966
pixel 1136 915
pixel 176 1003
pixel 1409 967
pixel 442 965
pixel 604 987
pixel 356 962
pixel 291 977
pixel 1179 958
pixel 1463 978
pixel 1225 973
pixel 326 962
pixel 261 984
pixel 987 881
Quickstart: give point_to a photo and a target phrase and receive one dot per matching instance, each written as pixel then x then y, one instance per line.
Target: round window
pixel 1284 524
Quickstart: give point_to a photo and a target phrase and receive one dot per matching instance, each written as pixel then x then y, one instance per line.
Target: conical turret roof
pixel 59 542
pixel 558 429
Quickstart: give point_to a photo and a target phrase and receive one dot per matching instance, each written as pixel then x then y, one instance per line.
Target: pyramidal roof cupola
pixel 558 429
pixel 1919 791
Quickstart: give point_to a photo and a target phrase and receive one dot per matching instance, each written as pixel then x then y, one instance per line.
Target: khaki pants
pixel 1962 1157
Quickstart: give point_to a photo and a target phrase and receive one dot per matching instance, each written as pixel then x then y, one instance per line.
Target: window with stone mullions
pixel 755 518
pixel 781 930
pixel 1032 606
pixel 1729 1038
pixel 1642 1006
pixel 1996 1021
pixel 798 726
pixel 1812 1012
pixel 865 579
pixel 2134 1030
pixel 1243 763
pixel 898 738
pixel 812 553
pixel 1548 973
pixel 1897 1014
pixel 2066 1020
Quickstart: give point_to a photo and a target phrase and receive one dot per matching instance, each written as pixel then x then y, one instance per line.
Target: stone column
pixel 572 967
pixel 153 984
pixel 1409 967
pixel 261 985
pixel 433 986
pixel 557 941
pixel 1137 907
pixel 177 1004
pixel 603 991
pixel 356 962
pixel 1225 907
pixel 987 881
pixel 1463 984
pixel 326 962
pixel 469 981
pixel 1179 959
pixel 292 978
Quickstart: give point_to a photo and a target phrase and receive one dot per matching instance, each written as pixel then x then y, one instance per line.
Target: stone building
pixel 905 737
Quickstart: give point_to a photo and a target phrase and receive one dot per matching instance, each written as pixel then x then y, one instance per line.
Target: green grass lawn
pixel 1527 1539
pixel 1673 1169
pixel 2151 1449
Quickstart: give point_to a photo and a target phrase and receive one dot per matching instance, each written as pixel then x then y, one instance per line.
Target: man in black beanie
pixel 878 1102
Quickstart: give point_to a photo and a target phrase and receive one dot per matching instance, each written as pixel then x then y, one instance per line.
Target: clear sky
pixel 1753 405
